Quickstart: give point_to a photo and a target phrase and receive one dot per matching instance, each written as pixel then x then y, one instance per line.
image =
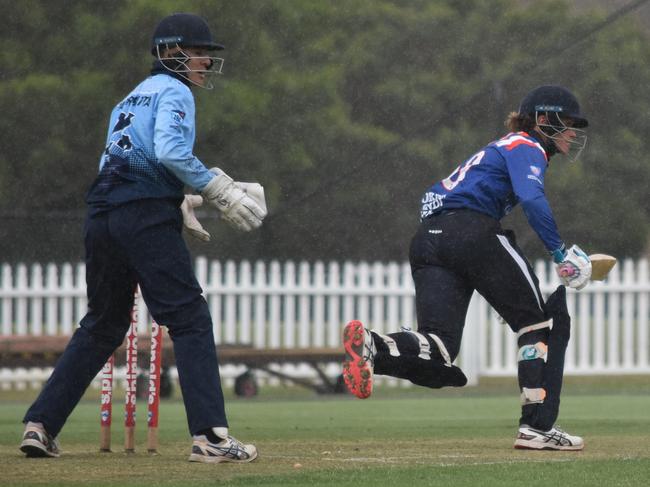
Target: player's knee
pixel 529 336
pixel 533 342
pixel 531 357
pixel 190 318
pixel 533 346
pixel 107 333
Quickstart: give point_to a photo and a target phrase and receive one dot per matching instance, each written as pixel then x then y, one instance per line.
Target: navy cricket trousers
pixel 455 253
pixel 138 243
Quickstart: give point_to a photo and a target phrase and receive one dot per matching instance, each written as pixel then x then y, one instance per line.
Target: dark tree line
pixel 345 110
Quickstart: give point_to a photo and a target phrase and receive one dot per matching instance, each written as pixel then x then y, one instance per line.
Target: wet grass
pixel 398 437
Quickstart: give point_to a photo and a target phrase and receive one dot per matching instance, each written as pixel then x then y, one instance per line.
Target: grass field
pixel 398 437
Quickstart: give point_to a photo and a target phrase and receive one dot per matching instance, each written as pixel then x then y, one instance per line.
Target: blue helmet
pixel 553 99
pixel 183 30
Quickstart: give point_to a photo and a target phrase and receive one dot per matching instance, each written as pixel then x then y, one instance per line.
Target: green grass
pixel 399 437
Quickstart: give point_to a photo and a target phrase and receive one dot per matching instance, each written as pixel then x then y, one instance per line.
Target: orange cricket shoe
pixel 360 353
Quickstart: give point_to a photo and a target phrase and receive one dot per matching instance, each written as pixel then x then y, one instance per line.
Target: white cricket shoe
pixel 38 443
pixel 228 450
pixel 554 439
pixel 359 361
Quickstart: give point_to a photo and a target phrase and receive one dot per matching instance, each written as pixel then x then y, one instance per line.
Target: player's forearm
pixel 175 153
pixel 190 171
pixel 539 215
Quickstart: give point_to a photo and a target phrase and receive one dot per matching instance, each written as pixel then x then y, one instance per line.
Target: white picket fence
pixel 287 305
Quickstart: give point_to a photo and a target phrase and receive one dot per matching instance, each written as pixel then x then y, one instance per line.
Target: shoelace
pixel 368 345
pixel 236 442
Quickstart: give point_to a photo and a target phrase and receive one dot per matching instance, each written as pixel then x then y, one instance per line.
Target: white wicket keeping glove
pixel 256 192
pixel 190 222
pixel 236 207
pixel 575 270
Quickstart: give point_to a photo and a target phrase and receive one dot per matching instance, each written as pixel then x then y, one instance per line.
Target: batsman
pixel 460 247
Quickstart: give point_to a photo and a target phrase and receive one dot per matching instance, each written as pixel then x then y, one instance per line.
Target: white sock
pixel 221 432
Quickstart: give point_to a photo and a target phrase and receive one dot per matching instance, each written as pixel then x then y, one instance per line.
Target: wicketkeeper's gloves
pixel 190 222
pixel 242 210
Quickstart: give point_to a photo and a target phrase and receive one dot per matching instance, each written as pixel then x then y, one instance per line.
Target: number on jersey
pixel 461 171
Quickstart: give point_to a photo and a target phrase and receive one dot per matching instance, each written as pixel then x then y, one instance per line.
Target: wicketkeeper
pixel 460 248
pixel 133 234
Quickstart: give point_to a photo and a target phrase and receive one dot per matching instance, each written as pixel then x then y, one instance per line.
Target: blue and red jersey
pixel 493 181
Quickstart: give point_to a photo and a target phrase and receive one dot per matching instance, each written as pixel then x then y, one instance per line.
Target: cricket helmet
pixel 174 35
pixel 183 30
pixel 553 99
pixel 561 111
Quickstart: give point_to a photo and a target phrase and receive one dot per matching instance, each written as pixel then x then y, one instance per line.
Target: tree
pixel 345 110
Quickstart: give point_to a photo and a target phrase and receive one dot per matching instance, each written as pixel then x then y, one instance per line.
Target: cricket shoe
pixel 228 450
pixel 554 439
pixel 359 361
pixel 38 443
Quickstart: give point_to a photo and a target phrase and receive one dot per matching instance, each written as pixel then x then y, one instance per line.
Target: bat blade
pixel 601 264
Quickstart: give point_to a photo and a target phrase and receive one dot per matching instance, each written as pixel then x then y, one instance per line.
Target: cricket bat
pixel 601 264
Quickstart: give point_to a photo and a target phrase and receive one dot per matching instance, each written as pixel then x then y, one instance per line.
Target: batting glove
pixel 575 270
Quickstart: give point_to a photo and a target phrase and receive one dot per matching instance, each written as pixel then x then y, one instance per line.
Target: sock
pixel 214 435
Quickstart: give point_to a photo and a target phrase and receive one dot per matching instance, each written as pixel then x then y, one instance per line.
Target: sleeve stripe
pixel 513 141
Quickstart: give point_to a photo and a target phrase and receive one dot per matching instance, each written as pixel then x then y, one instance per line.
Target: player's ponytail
pixel 518 122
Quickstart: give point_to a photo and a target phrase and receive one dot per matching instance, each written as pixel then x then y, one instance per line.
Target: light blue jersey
pixel 149 146
pixel 506 172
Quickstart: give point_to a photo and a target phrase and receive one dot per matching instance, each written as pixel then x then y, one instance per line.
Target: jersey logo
pixel 136 100
pixel 120 136
pixel 123 122
pixel 431 202
pixel 534 178
pixel 178 116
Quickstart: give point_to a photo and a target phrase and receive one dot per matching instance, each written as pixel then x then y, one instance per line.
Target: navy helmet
pixel 555 99
pixel 183 30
